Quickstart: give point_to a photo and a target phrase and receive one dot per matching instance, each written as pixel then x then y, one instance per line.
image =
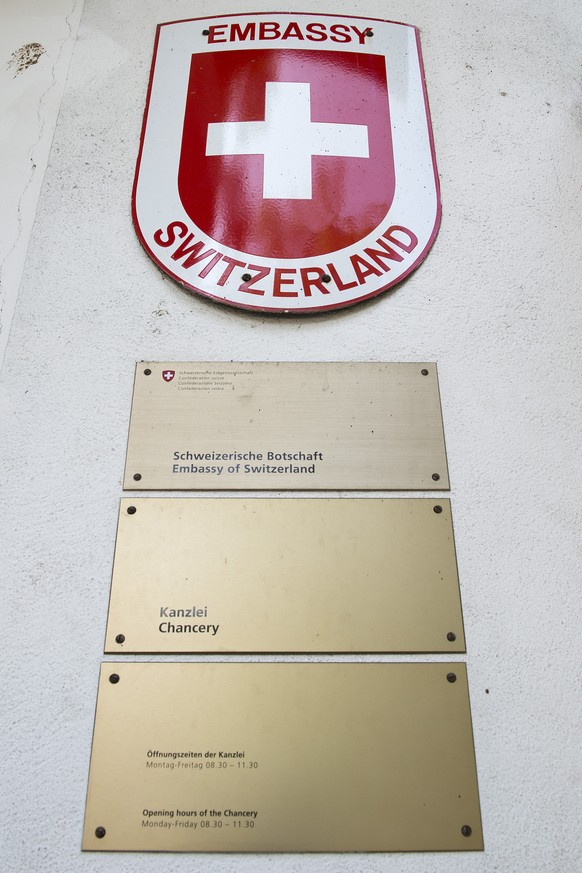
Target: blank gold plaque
pixel 283 758
pixel 285 575
pixel 286 426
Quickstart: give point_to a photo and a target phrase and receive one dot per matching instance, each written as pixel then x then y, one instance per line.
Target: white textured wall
pixel 496 304
pixel 36 44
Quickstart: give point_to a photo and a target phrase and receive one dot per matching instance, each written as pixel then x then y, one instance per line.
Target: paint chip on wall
pixel 26 56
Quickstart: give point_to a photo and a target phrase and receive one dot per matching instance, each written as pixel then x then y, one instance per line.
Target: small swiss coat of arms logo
pixel 287 161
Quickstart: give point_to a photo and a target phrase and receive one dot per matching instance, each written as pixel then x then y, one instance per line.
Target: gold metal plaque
pixel 219 757
pixel 285 575
pixel 286 426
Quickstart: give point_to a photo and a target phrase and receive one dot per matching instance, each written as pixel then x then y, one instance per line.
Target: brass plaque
pixel 219 757
pixel 285 575
pixel 286 426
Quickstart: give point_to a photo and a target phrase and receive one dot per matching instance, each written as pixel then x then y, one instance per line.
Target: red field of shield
pixel 224 194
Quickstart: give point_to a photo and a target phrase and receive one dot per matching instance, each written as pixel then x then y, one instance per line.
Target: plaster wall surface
pixel 496 304
pixel 36 44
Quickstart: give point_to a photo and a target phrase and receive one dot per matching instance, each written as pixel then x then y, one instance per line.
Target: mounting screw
pixel 451 677
pixel 246 277
pixel 369 32
pixel 435 477
pixel 131 510
pixel 466 830
pixel 137 477
pixel 326 278
pixel 100 833
pixel 205 33
pixel 451 637
pixel 114 678
pixel 147 372
pixel 437 509
pixel 424 372
pixel 120 638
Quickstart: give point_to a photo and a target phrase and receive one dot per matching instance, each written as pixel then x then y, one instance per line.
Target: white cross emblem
pixel 288 139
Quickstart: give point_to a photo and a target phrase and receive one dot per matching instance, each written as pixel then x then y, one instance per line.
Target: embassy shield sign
pixel 287 161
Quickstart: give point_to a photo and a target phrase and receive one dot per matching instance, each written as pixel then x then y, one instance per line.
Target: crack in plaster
pixel 41 124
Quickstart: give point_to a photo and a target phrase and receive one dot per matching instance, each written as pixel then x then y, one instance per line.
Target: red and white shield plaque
pixel 287 161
